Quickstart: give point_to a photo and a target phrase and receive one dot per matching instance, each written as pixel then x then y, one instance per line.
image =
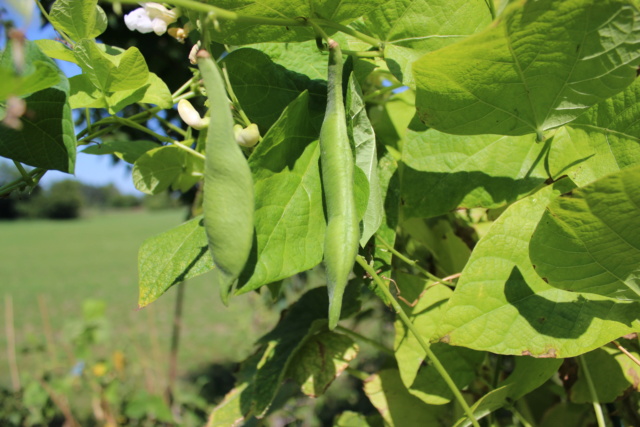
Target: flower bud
pixel 247 137
pixel 190 116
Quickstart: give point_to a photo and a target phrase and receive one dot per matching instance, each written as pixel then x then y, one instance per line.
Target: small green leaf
pixel 172 257
pixel 540 65
pixel 364 140
pixel 589 240
pixel 612 373
pixel 265 88
pixel 112 73
pixel 129 151
pixel 302 320
pixel 229 412
pixel 289 218
pixel 56 50
pixel 163 167
pixel 501 304
pixel 47 138
pixel 320 360
pixel 78 19
pixel 528 375
pixel 411 28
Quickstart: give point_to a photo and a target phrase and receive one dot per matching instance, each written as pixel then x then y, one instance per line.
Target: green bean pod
pixel 337 163
pixel 228 187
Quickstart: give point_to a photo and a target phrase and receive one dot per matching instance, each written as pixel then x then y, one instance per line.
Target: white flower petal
pixel 159 26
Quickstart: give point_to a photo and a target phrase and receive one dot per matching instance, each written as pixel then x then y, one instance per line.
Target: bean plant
pixel 472 166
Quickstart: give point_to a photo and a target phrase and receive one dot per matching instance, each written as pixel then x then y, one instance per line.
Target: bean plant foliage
pixel 495 150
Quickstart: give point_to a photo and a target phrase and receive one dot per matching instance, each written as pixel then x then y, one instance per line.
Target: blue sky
pixel 90 169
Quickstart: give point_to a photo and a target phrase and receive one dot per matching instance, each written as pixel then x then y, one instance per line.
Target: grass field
pixel 67 262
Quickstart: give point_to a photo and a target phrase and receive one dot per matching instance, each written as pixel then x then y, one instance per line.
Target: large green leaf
pixel 47 138
pixel 289 219
pixel 172 257
pixel 444 172
pixel 363 139
pixel 78 19
pixel 603 140
pixel 416 371
pixel 397 407
pixel 589 240
pixel 539 66
pixel 265 88
pixel 411 28
pixel 528 375
pixel 501 304
pixel 163 167
pixel 612 372
pixel 303 58
pixel 245 32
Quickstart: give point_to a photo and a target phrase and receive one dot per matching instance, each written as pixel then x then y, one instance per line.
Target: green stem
pixel 188 149
pixel 136 125
pixel 593 392
pixel 357 337
pixel 365 54
pixel 361 375
pixel 182 88
pixel 350 31
pixel 224 14
pixel 234 99
pixel 406 260
pixel 425 346
pixel 25 175
pixel 33 178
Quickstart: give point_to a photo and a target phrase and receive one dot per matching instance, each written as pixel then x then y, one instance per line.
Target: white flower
pixel 151 17
pixel 247 137
pixel 190 116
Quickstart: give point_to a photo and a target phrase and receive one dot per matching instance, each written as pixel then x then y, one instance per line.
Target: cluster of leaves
pixel 511 158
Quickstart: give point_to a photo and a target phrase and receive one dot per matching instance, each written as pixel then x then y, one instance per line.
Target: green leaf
pixel 320 360
pixel 302 58
pixel 43 76
pixel 528 375
pixel 289 219
pixel 416 371
pixel 364 140
pixel 78 19
pixel 397 407
pixel 411 28
pixel 353 419
pixel 111 73
pixel 265 89
pixel 172 257
pixel 163 167
pixel 303 319
pixel 589 240
pixel 501 305
pixel 85 95
pixel 445 172
pixel 612 373
pixel 47 138
pixel 539 66
pixel 241 33
pixel 229 412
pixel 56 50
pixel 129 151
pixel 603 140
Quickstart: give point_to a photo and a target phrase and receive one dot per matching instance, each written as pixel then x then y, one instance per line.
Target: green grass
pixel 67 262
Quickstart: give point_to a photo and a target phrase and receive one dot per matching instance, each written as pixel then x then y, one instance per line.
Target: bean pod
pixel 336 157
pixel 228 186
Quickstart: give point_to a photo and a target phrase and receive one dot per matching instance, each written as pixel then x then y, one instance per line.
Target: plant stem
pixel 188 149
pixel 627 353
pixel 357 337
pixel 234 98
pixel 406 260
pixel 350 31
pixel 592 391
pixel 365 54
pixel 382 91
pixel 11 343
pixel 492 8
pixel 25 175
pixel 425 346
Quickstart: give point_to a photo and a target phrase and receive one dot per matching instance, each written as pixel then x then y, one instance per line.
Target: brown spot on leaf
pixel 542 319
pixel 526 353
pixel 545 279
pixel 445 339
pixel 631 336
pixel 550 354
